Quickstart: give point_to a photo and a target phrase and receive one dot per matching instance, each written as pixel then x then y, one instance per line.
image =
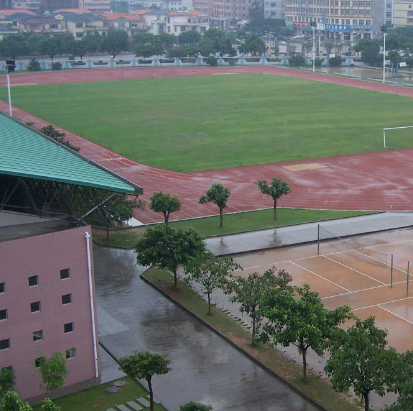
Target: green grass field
pixel 198 123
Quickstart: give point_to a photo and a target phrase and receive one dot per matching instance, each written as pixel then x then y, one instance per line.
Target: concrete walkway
pixel 206 368
pixel 303 233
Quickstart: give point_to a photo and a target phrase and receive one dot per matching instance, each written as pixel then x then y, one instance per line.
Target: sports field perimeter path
pixel 372 181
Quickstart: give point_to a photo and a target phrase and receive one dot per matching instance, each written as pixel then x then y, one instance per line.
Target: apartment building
pixel 95 6
pixel 273 9
pixel 180 21
pixel 339 19
pixel 32 5
pixel 402 13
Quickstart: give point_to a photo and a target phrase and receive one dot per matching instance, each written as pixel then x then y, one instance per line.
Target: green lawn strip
pixel 317 388
pixel 221 121
pixel 233 223
pixel 96 398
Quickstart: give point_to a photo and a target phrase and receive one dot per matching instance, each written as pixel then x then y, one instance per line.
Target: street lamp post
pixel 313 25
pixel 383 30
pixel 8 89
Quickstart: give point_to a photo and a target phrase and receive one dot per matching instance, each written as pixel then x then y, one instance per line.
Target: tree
pixel 218 195
pixel 50 46
pixel 148 50
pixel 371 55
pixel 400 381
pixel 359 359
pixel 253 44
pixel 49 405
pixel 277 189
pixel 217 41
pixel 210 271
pixel 143 365
pixel 165 204
pixel 301 321
pixel 194 406
pixel 33 41
pixel 119 6
pixel 51 132
pixel 336 61
pixel 53 371
pixel 12 402
pixel 189 37
pixel 14 46
pixel 395 57
pixel 114 42
pixel 168 248
pixel 92 42
pixel 115 212
pixel 79 48
pixel 211 61
pixel 183 51
pixel 7 381
pixel 249 291
pixel 166 40
pixel 296 60
pixel 328 45
pixel 33 65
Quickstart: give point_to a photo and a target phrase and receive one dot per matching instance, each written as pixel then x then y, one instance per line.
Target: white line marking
pixel 352 269
pixel 319 276
pixel 385 309
pixel 378 305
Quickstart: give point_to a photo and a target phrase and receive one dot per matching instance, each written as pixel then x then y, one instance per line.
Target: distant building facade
pixel 95 6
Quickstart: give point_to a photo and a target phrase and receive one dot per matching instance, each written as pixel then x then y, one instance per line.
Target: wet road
pixel 134 316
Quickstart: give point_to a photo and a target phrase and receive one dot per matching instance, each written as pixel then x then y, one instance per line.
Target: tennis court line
pixel 306 269
pixel 397 315
pixel 387 302
pixel 364 289
pixel 359 272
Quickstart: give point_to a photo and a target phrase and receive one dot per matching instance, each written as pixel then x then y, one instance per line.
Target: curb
pixel 315 241
pixel 237 347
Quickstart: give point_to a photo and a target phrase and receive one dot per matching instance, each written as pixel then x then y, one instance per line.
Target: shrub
pixel 336 61
pixel 296 60
pixel 34 65
pixel 56 65
pixel 318 62
pixel 211 61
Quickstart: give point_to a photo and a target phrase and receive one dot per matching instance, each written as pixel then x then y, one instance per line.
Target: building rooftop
pixel 14 226
pixel 9 12
pixel 25 152
pixel 77 11
pixel 116 16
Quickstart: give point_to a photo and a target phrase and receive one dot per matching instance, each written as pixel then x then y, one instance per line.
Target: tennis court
pixel 356 271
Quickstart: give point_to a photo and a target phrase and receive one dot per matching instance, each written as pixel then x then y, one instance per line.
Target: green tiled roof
pixel 26 153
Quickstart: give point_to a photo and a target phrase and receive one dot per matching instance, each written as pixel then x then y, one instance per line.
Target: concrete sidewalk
pixel 304 233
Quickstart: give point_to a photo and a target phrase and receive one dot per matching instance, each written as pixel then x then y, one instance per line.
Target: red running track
pixel 373 181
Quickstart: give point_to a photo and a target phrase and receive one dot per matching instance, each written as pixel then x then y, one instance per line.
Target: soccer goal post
pixel 391 128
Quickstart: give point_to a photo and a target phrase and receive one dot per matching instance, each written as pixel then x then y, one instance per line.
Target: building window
pixel 361 22
pixel 37 362
pixel 2 288
pixel 79 24
pixel 68 327
pixel 65 273
pixel 66 299
pixel 388 14
pixel 33 280
pixel 35 307
pixel 71 353
pixel 3 315
pixel 38 335
pixel 5 344
pixel 273 13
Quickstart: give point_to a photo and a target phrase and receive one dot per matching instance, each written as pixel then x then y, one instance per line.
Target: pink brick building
pixel 45 306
